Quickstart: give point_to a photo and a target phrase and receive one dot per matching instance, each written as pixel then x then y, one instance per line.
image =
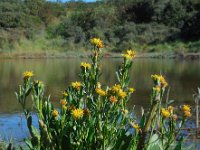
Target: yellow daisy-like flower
pixel 113 99
pixel 100 92
pixel 65 94
pixel 129 54
pixel 76 85
pixel 165 113
pixel 85 65
pixel 125 111
pixel 163 81
pixel 131 90
pixel 116 88
pixel 63 102
pixel 155 77
pixel 122 94
pixel 27 74
pixel 157 89
pixel 135 126
pixel 98 85
pixel 187 114
pixel 159 78
pixel 170 109
pixel 54 113
pixel 77 113
pixel 186 108
pixel 38 82
pixel 97 42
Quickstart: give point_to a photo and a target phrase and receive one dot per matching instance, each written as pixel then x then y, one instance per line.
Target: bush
pixel 93 116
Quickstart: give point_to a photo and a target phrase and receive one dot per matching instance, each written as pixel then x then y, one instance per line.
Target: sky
pixel 68 0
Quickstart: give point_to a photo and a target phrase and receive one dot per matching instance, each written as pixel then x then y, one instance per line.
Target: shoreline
pixel 71 54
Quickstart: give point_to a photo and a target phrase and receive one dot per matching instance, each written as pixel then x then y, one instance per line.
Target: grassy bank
pixel 42 47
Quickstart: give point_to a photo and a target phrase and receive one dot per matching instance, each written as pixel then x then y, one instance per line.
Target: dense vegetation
pixel 146 25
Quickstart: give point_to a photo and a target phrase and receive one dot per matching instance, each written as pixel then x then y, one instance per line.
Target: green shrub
pixel 95 116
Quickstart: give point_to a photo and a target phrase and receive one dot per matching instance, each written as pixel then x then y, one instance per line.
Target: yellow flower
pixel 131 90
pixel 125 111
pixel 116 88
pixel 135 126
pixel 159 78
pixel 157 89
pixel 186 108
pixel 38 82
pixel 54 113
pixel 64 94
pixel 77 113
pixel 63 102
pixel 98 85
pixel 187 114
pixel 170 109
pixel 100 92
pixel 85 65
pixel 97 42
pixel 129 54
pixel 165 113
pixel 76 85
pixel 27 74
pixel 155 77
pixel 113 99
pixel 122 94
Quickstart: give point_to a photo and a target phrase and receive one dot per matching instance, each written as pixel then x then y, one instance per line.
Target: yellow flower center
pixel 54 113
pixel 63 102
pixel 77 113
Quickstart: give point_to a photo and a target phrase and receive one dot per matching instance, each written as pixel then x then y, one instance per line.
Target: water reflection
pixel 57 74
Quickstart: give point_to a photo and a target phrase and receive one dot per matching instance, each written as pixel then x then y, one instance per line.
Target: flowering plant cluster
pixel 95 116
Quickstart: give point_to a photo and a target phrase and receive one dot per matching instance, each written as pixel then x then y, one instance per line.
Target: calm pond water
pixel 182 76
